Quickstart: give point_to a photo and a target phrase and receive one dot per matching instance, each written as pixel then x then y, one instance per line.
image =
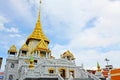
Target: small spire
pixel 39 15
pixel 98 66
pixel 39 10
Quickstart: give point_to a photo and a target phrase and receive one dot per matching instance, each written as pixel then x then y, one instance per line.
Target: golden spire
pixel 38 34
pixel 39 11
pixel 12 49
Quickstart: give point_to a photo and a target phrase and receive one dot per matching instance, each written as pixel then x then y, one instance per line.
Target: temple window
pixel 68 57
pixel 72 71
pixel 35 62
pixel 12 53
pixel 42 54
pixel 24 53
pixel 51 71
pixel 31 62
pixel 10 77
pixel 63 73
pixel 12 65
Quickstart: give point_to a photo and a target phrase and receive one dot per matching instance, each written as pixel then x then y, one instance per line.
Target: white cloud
pixel 13 29
pixel 14 35
pixel 3 21
pixel 10 30
pixel 90 58
pixel 1 27
pixel 11 34
pixel 57 50
pixel 103 34
pixel 24 10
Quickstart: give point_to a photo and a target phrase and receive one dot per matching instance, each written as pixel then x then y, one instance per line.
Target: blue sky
pixel 88 28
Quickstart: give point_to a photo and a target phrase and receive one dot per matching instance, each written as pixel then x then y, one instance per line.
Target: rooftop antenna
pixel 107 60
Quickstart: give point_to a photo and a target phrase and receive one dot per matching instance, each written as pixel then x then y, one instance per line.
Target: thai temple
pixel 34 61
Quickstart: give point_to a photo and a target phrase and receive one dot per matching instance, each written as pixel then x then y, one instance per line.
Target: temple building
pixel 34 61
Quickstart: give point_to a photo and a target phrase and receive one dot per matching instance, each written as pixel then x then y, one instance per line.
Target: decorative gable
pixel 42 45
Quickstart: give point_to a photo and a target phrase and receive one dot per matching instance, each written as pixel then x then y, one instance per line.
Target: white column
pixel 39 54
pixel 49 55
pixel 57 70
pixel 20 52
pixel 67 73
pixel 46 55
pixel 27 53
pixel 36 53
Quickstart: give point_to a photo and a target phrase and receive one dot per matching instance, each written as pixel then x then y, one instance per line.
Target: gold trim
pixel 62 68
pixel 71 70
pixel 51 68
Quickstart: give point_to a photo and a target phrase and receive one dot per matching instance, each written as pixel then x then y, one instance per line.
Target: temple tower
pixel 37 43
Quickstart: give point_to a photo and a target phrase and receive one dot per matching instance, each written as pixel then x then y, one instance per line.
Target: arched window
pixel 10 77
pixel 12 65
pixel 51 71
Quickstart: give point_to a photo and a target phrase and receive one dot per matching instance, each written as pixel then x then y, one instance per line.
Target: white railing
pixel 93 76
pixel 33 74
pixel 81 73
pixel 85 74
pixel 59 62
